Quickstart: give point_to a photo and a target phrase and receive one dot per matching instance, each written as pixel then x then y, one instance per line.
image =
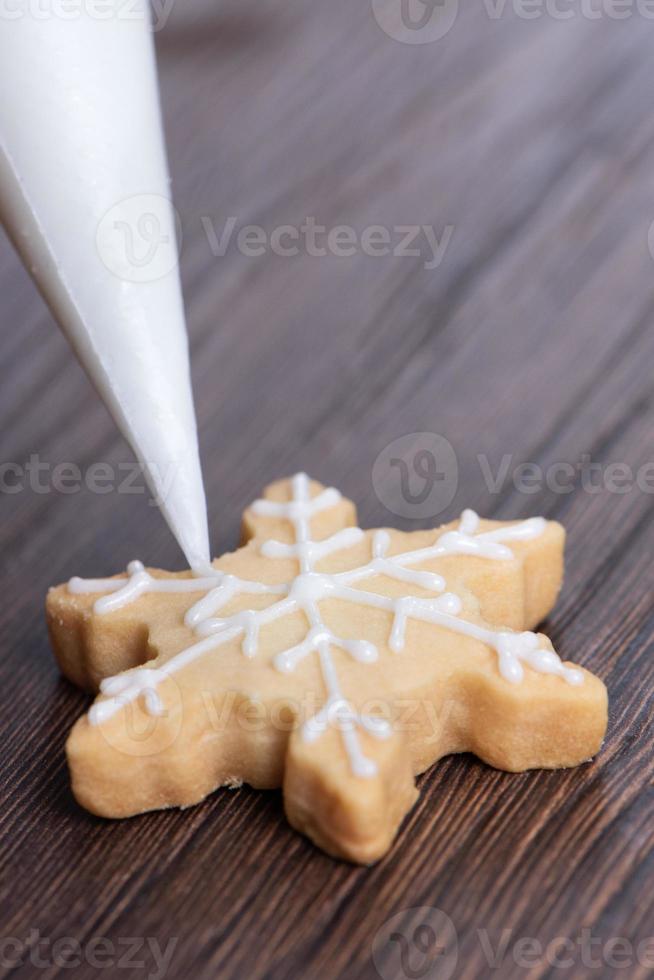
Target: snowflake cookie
pixel 334 662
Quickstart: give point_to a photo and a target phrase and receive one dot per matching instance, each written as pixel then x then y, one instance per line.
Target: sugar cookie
pixel 335 662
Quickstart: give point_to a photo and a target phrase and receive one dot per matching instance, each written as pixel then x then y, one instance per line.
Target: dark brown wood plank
pixel 534 139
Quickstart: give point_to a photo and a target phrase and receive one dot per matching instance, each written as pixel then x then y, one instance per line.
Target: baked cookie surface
pixel 334 662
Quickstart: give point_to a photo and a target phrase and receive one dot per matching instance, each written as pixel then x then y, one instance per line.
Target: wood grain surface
pixel 531 342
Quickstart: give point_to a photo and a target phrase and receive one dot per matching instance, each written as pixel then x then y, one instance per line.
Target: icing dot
pixel 312 587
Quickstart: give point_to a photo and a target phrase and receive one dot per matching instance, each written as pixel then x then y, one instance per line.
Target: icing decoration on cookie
pixel 305 592
pixel 291 662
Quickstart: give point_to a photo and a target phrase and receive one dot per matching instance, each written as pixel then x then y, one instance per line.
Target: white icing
pixel 86 214
pixel 308 552
pixel 305 593
pixel 465 540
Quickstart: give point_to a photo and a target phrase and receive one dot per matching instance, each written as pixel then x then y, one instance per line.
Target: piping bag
pixel 85 198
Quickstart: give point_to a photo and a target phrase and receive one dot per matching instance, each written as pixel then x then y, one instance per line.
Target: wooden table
pixel 530 342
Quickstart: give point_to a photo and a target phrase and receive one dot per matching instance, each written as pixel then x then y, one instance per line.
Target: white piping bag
pixel 85 198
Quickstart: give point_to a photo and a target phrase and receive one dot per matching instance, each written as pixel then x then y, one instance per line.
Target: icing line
pixel 304 594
